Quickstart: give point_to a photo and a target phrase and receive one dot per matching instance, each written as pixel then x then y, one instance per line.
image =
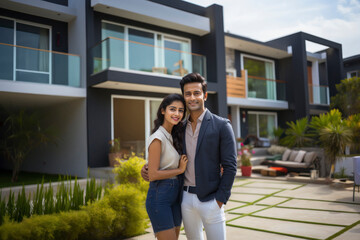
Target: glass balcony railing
pixel 129 55
pixel 318 94
pixel 263 88
pixel 18 63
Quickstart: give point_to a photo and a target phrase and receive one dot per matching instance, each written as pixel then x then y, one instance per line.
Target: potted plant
pixel 245 163
pixel 114 152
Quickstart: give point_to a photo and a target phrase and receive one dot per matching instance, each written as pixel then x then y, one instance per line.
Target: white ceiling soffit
pixel 255 48
pixel 137 87
pixel 154 13
pixel 257 103
pixel 41 9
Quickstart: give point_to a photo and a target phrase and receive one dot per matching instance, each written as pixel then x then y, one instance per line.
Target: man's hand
pixel 145 172
pixel 219 203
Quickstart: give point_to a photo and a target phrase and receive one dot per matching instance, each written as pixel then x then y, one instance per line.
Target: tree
pixel 296 134
pixel 21 133
pixel 347 100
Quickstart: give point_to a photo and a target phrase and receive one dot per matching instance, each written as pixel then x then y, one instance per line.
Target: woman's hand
pixel 183 162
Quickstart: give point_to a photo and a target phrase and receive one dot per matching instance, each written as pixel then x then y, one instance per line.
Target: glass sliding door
pixel 177 57
pixel 32 65
pixel 7 52
pixel 117 53
pixel 141 56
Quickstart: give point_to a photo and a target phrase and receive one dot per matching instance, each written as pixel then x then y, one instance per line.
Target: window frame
pixel 257 113
pixel 39 25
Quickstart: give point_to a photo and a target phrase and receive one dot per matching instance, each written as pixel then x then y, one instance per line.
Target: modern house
pixel 270 83
pixel 42 68
pixel 97 70
pixel 137 55
pixel 352 66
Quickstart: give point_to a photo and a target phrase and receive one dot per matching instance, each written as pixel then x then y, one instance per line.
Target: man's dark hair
pixel 193 77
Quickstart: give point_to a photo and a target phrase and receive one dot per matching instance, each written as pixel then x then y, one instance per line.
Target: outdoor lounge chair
pixel 356 174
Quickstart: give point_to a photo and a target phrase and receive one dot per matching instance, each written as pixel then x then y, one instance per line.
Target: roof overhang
pixel 156 14
pixel 255 47
pixel 137 87
pixel 41 9
pixel 257 103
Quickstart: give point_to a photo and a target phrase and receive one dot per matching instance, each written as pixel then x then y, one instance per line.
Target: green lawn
pixel 26 178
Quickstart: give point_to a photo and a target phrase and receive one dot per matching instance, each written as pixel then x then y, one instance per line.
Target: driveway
pixel 263 208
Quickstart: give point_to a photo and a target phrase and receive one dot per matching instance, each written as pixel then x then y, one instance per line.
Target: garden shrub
pixel 129 172
pixel 101 217
pixel 129 205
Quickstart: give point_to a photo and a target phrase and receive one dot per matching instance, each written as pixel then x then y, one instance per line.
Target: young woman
pixel 165 163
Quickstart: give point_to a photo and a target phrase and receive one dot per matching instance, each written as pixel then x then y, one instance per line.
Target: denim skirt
pixel 163 204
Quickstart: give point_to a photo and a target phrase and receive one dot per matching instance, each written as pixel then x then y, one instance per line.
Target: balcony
pixel 318 94
pixel 124 55
pixel 25 64
pixel 255 87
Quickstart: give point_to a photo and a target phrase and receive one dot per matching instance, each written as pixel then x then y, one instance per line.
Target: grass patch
pixel 27 178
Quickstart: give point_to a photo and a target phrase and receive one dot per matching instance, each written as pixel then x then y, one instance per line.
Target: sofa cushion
pixel 293 155
pixel 300 156
pixel 309 157
pixel 286 155
pixel 290 164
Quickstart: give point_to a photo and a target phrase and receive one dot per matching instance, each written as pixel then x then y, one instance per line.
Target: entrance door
pixel 132 123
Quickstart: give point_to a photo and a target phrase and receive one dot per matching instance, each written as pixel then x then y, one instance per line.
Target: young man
pixel 209 145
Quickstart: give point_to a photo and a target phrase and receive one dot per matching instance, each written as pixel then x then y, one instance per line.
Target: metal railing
pixel 129 55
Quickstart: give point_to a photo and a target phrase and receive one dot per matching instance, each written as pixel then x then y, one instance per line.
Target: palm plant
pixel 22 133
pixel 334 138
pixel 278 132
pixel 296 134
pixel 319 122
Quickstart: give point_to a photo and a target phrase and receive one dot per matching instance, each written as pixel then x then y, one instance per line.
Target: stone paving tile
pixel 264 191
pixel 352 234
pixel 298 203
pixel 300 229
pixel 247 209
pixel 311 215
pixel 272 200
pixel 276 185
pixel 245 197
pixel 317 191
pixel 234 233
pixel 231 204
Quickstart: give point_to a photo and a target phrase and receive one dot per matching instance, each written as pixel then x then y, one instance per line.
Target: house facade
pixel 352 66
pixel 270 83
pixel 98 69
pixel 43 70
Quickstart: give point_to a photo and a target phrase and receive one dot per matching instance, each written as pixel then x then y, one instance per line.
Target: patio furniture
pixel 274 171
pixel 356 174
pixel 295 161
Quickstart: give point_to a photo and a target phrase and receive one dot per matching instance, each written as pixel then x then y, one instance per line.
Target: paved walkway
pixel 279 209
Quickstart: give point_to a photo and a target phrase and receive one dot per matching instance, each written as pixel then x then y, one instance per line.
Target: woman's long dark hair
pixel 178 130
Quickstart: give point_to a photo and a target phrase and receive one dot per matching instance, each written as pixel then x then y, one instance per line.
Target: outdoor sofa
pixel 294 161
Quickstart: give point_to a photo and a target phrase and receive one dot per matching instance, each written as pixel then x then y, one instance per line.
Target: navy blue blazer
pixel 216 145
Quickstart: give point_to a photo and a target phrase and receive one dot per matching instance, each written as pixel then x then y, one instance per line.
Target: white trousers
pixel 197 214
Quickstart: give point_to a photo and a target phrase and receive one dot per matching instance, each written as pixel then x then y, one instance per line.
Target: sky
pixel 264 20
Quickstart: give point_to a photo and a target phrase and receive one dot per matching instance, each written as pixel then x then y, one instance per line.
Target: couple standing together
pixel 184 165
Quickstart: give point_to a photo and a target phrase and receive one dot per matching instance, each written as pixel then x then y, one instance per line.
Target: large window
pixel 143 50
pixel 31 60
pixel 262 124
pixel 261 77
pixel 134 127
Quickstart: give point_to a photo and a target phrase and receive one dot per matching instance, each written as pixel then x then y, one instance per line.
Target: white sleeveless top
pixel 169 158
